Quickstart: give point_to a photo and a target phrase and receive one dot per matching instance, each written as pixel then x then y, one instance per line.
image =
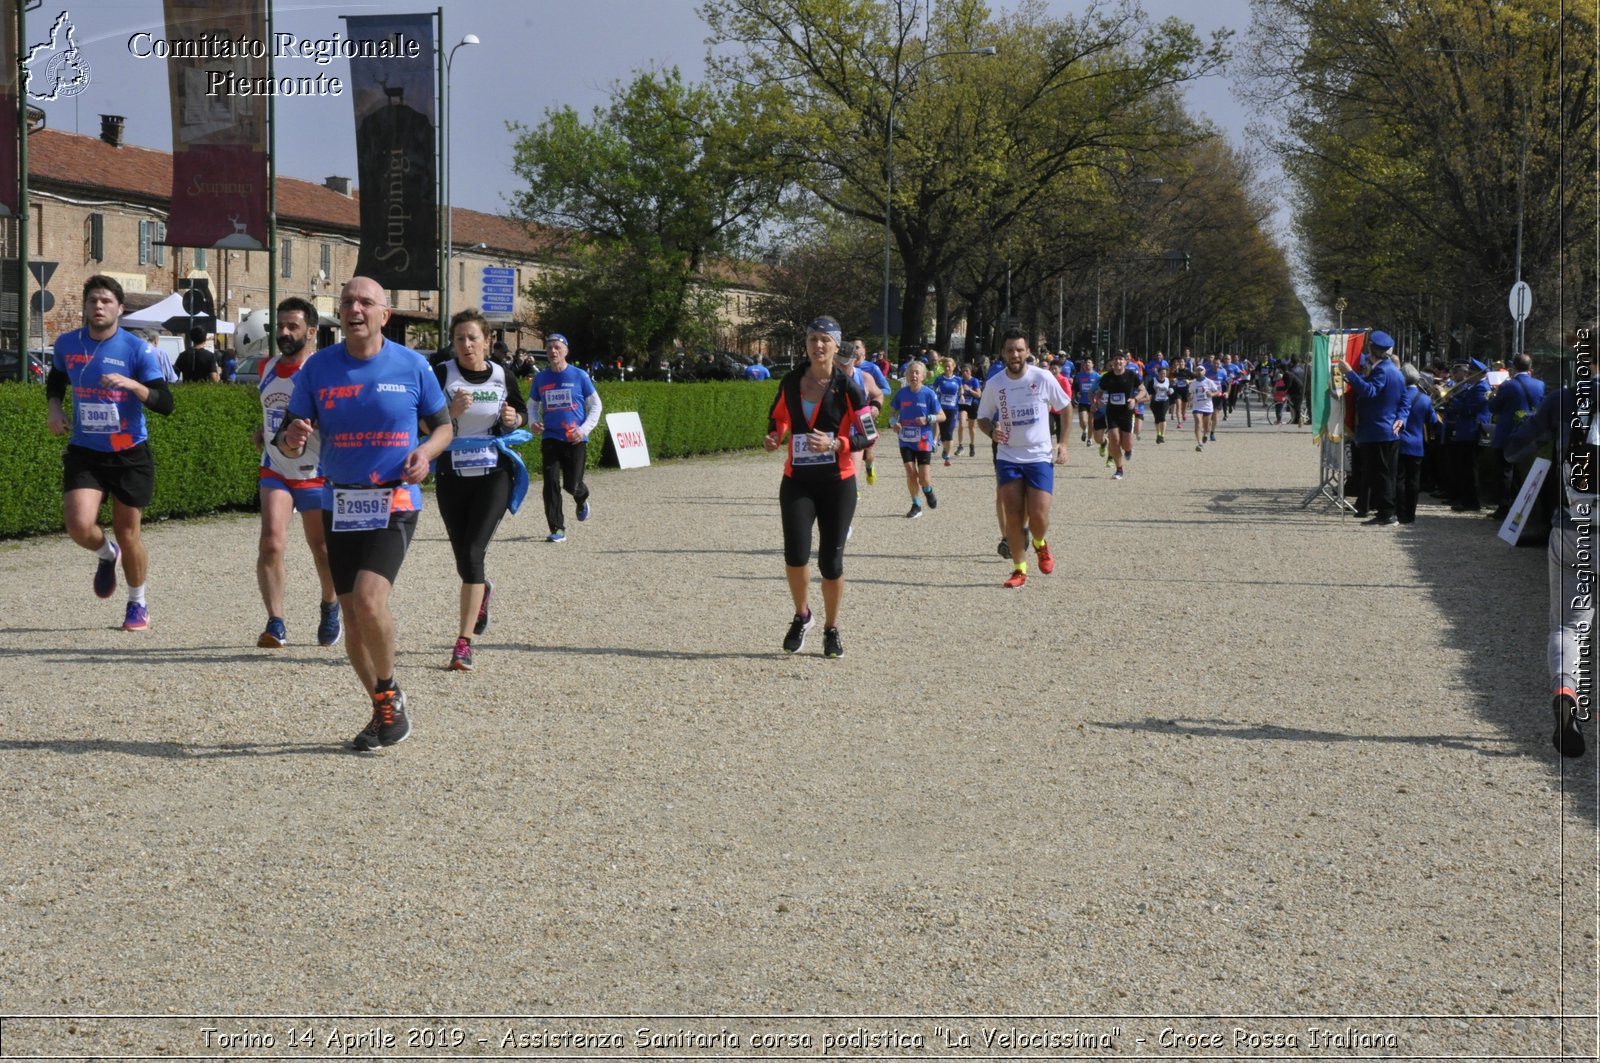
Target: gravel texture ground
pixel 1238 765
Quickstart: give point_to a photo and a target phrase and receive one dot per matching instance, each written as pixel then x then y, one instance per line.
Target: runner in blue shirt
pixel 875 385
pixel 568 410
pixel 364 397
pixel 113 376
pixel 948 388
pixel 1084 383
pixel 914 411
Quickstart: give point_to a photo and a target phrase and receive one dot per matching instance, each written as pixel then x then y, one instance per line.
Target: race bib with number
pixel 274 422
pixel 99 418
pixel 475 461
pixel 801 453
pixel 361 508
pixel 910 435
pixel 1116 398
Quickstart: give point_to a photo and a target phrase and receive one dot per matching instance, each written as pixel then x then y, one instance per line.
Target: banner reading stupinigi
pixel 10 196
pixel 392 84
pixel 219 139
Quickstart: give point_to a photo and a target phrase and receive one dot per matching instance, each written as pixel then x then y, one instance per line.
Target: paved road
pixel 1235 759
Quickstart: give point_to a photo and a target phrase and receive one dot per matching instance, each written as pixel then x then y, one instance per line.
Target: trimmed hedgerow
pixel 205 461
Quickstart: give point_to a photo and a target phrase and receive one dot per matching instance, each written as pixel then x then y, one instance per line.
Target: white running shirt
pixel 1020 407
pixel 1200 391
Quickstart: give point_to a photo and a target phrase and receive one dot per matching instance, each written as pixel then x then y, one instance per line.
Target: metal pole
pixel 24 311
pixel 272 204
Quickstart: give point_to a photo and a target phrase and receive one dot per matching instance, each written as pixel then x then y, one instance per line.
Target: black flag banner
pixel 392 83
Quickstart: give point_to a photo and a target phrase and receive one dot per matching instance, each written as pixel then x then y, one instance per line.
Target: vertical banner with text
pixel 10 194
pixel 392 84
pixel 219 134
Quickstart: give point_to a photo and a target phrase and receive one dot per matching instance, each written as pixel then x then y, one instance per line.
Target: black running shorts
pixel 129 475
pixel 380 551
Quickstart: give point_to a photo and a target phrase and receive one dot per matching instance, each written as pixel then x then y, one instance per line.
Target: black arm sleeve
pixel 55 385
pixel 160 398
pixel 437 417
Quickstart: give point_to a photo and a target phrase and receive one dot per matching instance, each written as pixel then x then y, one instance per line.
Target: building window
pixel 94 238
pixel 145 237
pixel 199 258
pixel 159 228
pixel 461 276
pixel 327 261
pixel 286 259
pixel 38 229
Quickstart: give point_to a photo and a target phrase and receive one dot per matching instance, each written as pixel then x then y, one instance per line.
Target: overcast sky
pixel 536 54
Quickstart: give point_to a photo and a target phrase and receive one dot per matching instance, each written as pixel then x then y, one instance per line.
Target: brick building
pixel 100 205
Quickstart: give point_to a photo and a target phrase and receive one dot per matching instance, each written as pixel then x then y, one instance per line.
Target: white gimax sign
pixel 627 437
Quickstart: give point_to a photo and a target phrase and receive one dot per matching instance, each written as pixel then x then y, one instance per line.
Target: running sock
pixel 107 551
pixel 384 684
pixel 136 594
pixel 927 491
pixel 1037 543
pixel 1021 566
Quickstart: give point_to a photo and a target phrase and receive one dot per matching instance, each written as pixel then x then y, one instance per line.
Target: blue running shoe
pixel 105 574
pixel 137 617
pixel 276 636
pixel 330 630
pixel 583 511
pixel 557 536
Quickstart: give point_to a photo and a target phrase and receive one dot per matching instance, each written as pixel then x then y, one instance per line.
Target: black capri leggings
pixel 831 505
pixel 472 507
pixel 1158 411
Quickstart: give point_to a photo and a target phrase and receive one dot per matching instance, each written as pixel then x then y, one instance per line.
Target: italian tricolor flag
pixel 1324 346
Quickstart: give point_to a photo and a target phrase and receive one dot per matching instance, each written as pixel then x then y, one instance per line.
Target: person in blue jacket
pixel 1382 406
pixel 1515 399
pixel 1466 419
pixel 1421 418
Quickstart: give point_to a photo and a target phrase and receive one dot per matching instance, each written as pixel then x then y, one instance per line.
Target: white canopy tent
pixel 155 317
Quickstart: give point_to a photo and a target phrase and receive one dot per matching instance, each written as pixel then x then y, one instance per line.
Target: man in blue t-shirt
pixel 756 371
pixel 564 408
pixel 114 376
pixel 364 397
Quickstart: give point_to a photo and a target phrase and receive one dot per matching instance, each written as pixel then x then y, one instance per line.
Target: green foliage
pixel 979 145
pixel 205 461
pixel 660 182
pixel 1419 136
pixel 203 455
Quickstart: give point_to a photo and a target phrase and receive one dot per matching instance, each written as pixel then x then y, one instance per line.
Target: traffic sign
pixel 1521 301
pixel 42 272
pixel 42 302
pixel 498 290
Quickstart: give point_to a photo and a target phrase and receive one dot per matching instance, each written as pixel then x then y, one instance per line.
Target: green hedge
pixel 205 463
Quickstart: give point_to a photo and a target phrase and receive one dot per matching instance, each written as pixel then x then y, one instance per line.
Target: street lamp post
pixel 449 207
pixel 888 170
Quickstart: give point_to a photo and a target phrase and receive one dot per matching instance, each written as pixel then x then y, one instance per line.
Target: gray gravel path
pixel 1234 758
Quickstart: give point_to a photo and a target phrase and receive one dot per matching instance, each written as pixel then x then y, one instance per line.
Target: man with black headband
pixel 287 485
pixel 364 398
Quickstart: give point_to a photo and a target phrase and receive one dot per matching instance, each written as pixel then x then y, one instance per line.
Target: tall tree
pixel 1422 136
pixel 971 136
pixel 655 185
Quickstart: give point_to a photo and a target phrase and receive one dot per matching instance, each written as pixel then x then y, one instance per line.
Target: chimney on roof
pixel 111 129
pixel 341 185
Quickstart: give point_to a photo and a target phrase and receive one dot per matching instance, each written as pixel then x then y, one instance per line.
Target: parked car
pixel 249 369
pixel 9 361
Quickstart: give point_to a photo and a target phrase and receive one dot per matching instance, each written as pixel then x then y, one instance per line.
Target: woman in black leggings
pixel 474 480
pixel 817 408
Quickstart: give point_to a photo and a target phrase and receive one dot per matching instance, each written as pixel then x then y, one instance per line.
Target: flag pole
pixel 272 197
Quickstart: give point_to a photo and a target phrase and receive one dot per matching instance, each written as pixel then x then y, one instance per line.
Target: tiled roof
pixel 76 165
